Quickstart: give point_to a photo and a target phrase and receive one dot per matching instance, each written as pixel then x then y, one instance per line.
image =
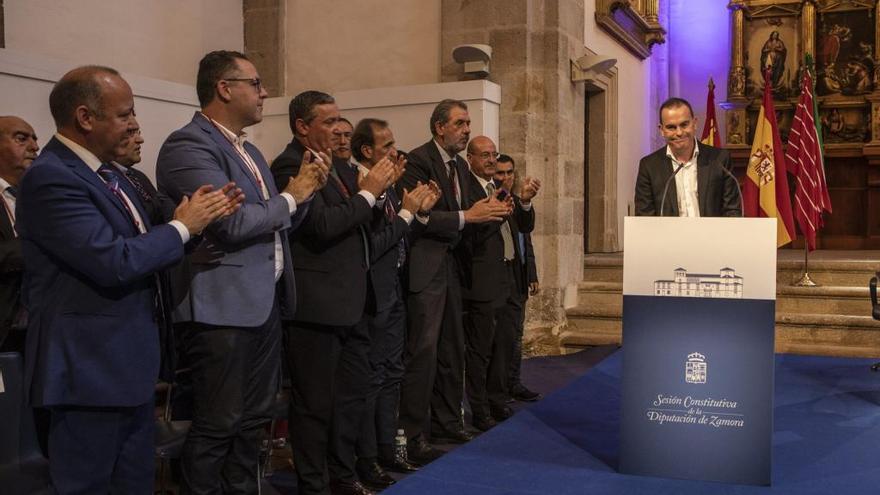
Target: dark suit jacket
pixel 531 266
pixel 715 189
pixel 160 210
pixel 228 279
pixel 11 266
pixel 524 268
pixel 441 234
pixel 328 248
pixel 385 236
pixel 89 286
pixel 482 251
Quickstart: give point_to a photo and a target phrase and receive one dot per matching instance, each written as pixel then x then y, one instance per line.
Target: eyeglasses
pixel 488 154
pixel 256 82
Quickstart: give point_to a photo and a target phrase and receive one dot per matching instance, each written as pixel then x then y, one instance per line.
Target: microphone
pixel 666 187
pixel 742 205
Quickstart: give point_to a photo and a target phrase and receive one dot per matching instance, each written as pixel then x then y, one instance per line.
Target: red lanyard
pixel 246 159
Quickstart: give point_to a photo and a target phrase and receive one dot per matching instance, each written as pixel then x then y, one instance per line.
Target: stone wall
pixel 542 115
pixel 264 41
pixel 161 39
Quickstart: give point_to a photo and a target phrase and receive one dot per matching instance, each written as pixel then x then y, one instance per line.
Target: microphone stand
pixel 738 191
pixel 666 187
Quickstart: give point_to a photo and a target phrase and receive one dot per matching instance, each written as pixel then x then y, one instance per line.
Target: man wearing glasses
pixel 489 253
pixel 237 283
pixel 434 355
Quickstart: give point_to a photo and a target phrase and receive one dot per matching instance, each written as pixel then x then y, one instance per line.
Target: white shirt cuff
pixel 460 220
pixel 526 206
pixel 406 215
pixel 371 200
pixel 181 229
pixel 291 202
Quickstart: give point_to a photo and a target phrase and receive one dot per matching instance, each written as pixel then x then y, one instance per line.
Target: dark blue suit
pixel 92 352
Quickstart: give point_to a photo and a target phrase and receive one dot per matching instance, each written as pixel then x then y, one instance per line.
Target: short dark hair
pixel 78 87
pixel 502 158
pixel 441 112
pixel 673 102
pixel 365 135
pixel 212 68
pixel 302 106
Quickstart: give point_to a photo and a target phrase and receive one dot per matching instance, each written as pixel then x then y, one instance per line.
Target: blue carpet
pixel 826 440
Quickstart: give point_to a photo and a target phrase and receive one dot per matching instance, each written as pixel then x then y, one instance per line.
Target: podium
pixel 699 297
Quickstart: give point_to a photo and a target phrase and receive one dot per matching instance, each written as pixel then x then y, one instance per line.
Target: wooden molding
pixel 632 23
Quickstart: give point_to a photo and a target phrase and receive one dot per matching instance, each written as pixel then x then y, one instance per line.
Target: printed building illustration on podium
pixel 725 284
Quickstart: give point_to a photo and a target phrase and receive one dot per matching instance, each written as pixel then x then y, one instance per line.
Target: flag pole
pixel 805 280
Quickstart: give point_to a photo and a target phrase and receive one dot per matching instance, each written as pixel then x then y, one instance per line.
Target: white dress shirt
pixel 237 142
pixel 686 183
pixel 9 199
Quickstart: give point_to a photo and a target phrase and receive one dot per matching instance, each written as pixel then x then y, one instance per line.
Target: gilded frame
pixel 633 23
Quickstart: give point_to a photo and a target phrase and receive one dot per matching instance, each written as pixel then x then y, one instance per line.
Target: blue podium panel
pixel 698 338
pixel 697 388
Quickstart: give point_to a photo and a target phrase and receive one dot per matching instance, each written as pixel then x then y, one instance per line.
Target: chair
pixel 875 308
pixel 169 438
pixel 279 412
pixel 23 469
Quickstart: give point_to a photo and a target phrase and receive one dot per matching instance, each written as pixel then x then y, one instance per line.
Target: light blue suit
pixel 229 278
pixel 225 307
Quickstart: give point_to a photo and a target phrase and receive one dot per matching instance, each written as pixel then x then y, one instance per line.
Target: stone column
pixel 808 30
pixel 541 122
pixel 2 27
pixel 264 41
pixel 736 119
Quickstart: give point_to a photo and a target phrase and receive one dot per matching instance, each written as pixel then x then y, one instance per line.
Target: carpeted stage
pixel 826 440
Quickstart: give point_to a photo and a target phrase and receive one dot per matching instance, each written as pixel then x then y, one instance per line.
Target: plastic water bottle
pixel 400 445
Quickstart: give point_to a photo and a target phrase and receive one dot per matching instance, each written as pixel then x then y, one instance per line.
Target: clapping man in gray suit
pixel 238 281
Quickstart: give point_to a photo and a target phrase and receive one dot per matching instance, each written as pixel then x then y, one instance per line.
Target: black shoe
pixel 349 488
pixel 483 423
pixel 452 436
pixel 372 475
pixel 523 394
pixel 421 451
pixel 398 465
pixel 501 413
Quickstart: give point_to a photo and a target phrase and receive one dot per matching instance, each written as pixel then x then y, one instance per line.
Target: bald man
pixel 18 148
pixel 489 251
pixel 91 254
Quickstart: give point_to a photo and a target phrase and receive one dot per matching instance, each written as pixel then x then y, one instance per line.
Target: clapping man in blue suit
pixel 91 254
pixel 238 282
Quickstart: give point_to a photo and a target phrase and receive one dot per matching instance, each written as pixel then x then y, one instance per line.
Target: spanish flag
pixel 765 188
pixel 710 126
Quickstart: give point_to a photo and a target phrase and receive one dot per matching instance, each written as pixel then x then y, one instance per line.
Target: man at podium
pixel 685 178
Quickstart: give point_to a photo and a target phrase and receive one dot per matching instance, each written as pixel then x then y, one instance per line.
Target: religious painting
pixel 845 49
pixel 784 119
pixel 772 47
pixel 844 125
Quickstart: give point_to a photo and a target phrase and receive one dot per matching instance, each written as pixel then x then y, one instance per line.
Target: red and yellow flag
pixel 710 126
pixel 765 188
